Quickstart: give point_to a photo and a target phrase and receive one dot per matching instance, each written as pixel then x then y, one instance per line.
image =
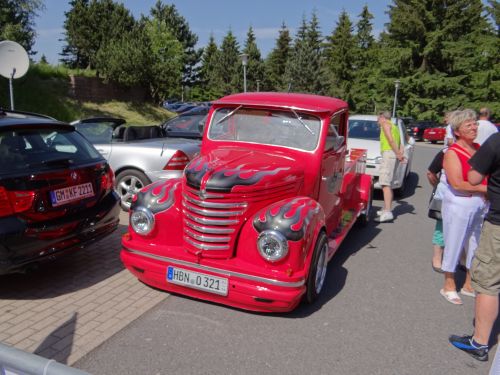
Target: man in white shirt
pixel 485 126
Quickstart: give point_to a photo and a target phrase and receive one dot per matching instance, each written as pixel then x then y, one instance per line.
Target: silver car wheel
pixel 129 183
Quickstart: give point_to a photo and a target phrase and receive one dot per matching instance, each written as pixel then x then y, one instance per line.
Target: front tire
pixel 318 269
pixel 128 183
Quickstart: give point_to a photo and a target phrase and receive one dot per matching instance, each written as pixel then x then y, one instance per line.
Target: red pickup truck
pixel 259 213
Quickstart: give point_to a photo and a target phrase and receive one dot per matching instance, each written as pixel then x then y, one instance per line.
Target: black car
pixel 56 191
pixel 416 129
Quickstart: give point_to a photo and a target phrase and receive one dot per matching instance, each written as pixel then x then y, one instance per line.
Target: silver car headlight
pixel 272 245
pixel 142 221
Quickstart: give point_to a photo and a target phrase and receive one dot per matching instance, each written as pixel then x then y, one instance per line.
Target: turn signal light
pixel 177 162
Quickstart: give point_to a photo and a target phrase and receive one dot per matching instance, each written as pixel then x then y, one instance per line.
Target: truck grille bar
pixel 210 222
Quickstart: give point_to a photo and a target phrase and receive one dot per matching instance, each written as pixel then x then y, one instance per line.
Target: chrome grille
pixel 209 224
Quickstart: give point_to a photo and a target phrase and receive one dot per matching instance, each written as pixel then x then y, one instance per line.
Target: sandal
pixel 437 269
pixel 451 296
pixel 465 292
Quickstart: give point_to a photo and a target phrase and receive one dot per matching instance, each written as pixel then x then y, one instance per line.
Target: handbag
pixel 435 206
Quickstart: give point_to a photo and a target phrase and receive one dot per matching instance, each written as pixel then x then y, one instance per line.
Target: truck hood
pixel 242 170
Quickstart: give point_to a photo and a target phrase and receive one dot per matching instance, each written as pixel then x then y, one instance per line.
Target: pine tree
pixel 211 81
pixel 179 27
pixel 229 67
pixel 301 73
pixel 341 52
pixel 255 67
pixel 277 60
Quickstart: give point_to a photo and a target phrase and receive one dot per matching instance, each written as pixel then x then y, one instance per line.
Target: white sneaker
pixel 379 212
pixel 384 217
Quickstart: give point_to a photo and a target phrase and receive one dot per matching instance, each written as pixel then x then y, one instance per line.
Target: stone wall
pixel 95 90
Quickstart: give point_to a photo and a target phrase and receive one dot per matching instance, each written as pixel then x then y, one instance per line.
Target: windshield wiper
pixel 228 115
pixel 302 122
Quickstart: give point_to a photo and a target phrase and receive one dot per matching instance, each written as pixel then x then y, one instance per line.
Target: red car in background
pixel 436 134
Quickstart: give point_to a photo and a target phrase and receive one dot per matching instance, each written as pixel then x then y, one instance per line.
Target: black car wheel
pixel 128 183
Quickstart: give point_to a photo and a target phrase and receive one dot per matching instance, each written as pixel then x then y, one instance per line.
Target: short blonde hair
pixel 385 114
pixel 457 118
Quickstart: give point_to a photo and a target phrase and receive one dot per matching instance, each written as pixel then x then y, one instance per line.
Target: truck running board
pixel 337 236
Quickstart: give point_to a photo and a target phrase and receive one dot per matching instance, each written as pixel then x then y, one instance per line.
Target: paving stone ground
pixel 69 307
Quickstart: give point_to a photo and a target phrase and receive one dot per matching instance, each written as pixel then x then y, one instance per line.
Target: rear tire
pixel 318 269
pixel 364 217
pixel 128 183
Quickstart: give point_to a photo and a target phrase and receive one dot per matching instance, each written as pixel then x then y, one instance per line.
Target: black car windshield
pixel 364 129
pixel 43 148
pixel 186 126
pixel 272 127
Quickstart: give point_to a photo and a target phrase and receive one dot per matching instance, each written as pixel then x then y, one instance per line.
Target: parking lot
pixel 73 305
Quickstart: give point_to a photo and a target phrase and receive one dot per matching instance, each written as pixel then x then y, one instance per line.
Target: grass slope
pixel 44 89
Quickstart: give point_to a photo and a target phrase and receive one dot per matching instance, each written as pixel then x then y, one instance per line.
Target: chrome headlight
pixel 272 245
pixel 142 221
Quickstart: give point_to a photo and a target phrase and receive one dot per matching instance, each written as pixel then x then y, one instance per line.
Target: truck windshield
pixel 271 127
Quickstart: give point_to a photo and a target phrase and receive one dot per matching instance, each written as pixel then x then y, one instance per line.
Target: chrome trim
pixel 211 213
pixel 207 195
pixel 205 247
pixel 208 230
pixel 205 204
pixel 219 271
pixel 203 238
pixel 202 220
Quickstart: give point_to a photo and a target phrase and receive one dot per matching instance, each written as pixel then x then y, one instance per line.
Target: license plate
pixel 71 194
pixel 195 280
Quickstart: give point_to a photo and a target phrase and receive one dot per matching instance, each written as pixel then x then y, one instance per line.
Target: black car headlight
pixel 272 245
pixel 142 221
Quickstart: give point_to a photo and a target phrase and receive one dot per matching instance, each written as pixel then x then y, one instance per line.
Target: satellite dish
pixel 14 63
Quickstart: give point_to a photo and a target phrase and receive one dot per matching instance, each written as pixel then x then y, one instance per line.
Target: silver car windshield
pixel 272 127
pixel 364 129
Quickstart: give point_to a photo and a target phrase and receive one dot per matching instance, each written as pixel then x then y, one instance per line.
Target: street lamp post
pixel 258 85
pixel 396 86
pixel 244 61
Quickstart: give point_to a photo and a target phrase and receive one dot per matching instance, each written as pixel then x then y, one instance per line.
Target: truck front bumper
pixel 244 291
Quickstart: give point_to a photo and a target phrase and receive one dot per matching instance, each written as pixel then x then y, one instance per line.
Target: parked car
pixel 417 128
pixel 435 135
pixel 364 132
pixel 139 155
pixel 258 214
pixel 56 191
pixel 188 124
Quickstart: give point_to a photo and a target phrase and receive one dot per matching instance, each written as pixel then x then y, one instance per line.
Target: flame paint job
pixel 291 218
pixel 158 196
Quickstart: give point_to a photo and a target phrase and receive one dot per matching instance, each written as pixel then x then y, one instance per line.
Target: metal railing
pixel 17 362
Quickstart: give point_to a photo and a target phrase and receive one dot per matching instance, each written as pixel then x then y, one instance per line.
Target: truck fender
pixel 365 187
pixel 163 199
pixel 299 219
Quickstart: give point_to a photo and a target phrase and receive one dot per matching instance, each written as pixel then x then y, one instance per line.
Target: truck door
pixel 332 170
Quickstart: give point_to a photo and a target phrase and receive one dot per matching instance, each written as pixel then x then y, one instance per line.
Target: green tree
pixel 179 28
pixel 229 67
pixel 89 26
pixel 341 52
pixel 211 81
pixel 17 21
pixel 277 60
pixel 255 68
pixel 303 71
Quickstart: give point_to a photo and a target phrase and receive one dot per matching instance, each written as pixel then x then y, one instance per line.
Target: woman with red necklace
pixel 464 205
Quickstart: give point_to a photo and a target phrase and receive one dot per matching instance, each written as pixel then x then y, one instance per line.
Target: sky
pixel 217 17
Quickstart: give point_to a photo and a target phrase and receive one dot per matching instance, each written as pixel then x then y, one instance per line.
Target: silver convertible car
pixel 138 155
pixel 364 132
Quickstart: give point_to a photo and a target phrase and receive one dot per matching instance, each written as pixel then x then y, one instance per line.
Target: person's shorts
pixel 387 168
pixel 437 237
pixel 485 268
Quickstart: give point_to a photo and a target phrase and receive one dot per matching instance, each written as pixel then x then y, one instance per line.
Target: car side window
pixel 333 139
